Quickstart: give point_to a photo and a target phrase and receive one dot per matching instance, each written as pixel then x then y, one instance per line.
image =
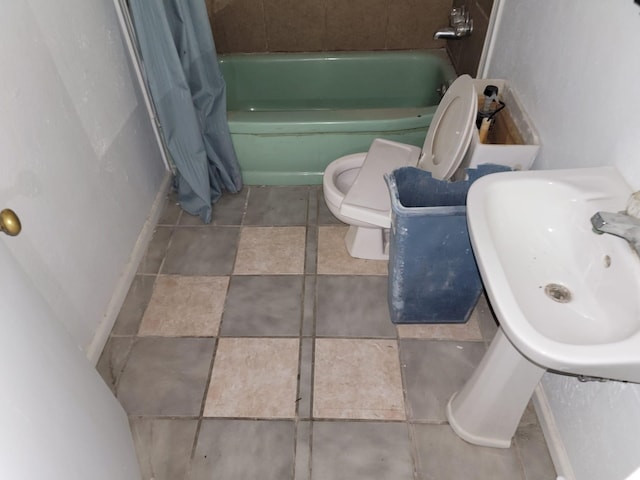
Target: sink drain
pixel 558 293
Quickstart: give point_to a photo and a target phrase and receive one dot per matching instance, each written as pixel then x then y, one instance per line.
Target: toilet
pixel 354 187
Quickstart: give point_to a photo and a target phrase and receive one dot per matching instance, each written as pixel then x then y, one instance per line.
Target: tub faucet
pixel 618 224
pixel 445 34
pixel 460 25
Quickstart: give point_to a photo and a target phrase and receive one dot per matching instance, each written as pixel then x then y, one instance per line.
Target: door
pixel 58 419
pixel 78 157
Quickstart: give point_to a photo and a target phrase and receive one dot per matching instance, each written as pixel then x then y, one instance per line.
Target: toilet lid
pixel 451 129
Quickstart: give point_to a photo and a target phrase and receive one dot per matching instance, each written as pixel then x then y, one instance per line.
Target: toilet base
pixel 367 243
pixel 488 409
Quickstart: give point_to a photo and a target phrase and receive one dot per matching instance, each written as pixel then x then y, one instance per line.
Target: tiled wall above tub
pixel 465 53
pixel 326 25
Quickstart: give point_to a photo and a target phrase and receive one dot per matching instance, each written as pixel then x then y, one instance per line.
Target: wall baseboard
pixel 117 299
pixel 557 451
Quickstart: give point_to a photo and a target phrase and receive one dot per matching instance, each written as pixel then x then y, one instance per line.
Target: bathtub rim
pixel 329 121
pixel 439 53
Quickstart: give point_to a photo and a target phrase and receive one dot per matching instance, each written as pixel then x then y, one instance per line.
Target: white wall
pixel 78 158
pixel 576 68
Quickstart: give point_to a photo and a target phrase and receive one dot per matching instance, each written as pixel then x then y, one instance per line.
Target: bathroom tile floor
pixel 256 348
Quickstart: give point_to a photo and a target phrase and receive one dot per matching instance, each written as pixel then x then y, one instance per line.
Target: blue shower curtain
pixel 188 90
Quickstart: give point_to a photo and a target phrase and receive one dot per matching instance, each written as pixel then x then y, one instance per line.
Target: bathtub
pixel 291 114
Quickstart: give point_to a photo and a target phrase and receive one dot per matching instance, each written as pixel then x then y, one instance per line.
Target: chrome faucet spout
pixel 460 25
pixel 448 33
pixel 620 225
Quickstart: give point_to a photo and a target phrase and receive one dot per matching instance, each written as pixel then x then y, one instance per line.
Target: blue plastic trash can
pixel 433 276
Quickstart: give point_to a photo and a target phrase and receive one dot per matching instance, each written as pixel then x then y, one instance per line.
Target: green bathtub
pixel 292 114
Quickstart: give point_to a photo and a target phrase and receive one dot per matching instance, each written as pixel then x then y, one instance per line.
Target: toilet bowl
pixel 363 239
pixel 337 180
pixel 354 187
pixel 359 197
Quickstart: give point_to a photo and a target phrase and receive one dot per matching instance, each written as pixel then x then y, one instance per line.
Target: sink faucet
pixel 618 224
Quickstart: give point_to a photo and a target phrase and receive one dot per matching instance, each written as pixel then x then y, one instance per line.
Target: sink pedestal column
pixel 488 409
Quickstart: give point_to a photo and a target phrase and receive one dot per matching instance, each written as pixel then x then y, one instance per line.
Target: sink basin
pixel 567 298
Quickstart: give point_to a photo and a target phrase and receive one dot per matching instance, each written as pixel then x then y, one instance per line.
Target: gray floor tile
pixel 134 305
pixel 534 453
pixel 277 206
pixel 353 306
pixel 228 210
pixel 202 251
pixel 529 417
pixel 263 306
pixel 156 250
pixel 163 446
pixel 361 450
pixel 243 450
pixel 113 359
pixel 166 376
pixel 325 217
pixel 434 370
pixel 441 454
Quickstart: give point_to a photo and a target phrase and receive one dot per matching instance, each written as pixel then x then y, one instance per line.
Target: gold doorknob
pixel 9 222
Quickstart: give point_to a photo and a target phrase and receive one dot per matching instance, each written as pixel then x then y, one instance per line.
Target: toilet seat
pixel 451 129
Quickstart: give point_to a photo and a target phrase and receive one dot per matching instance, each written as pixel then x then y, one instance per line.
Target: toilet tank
pixel 512 139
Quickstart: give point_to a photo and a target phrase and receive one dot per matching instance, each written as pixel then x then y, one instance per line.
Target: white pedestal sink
pixel 566 298
pixel 488 408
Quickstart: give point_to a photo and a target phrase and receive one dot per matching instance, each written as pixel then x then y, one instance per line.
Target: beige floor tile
pixel 357 379
pixel 271 250
pixel 462 332
pixel 333 257
pixel 254 378
pixel 185 306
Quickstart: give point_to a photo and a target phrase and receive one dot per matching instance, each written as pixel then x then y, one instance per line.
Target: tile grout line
pixel 116 383
pixel 300 348
pixel 312 337
pixel 310 462
pixel 405 391
pixel 166 251
pixel 190 418
pixel 203 403
pixel 314 310
pixel 235 256
pixel 245 206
